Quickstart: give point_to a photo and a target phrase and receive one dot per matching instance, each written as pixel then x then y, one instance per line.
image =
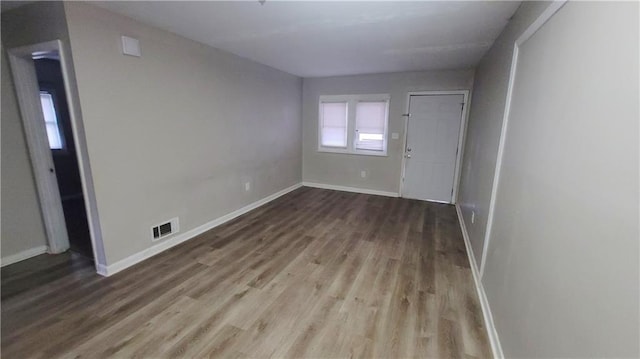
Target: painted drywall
pixel 485 123
pixel 178 131
pixel 22 225
pixel 383 173
pixel 562 269
pixel 34 23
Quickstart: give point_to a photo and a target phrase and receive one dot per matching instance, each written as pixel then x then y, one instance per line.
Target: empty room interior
pixel 320 179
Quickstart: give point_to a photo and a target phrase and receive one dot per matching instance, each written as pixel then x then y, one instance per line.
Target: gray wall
pixel 33 23
pixel 340 169
pixel 22 225
pixel 177 132
pixel 562 270
pixel 485 123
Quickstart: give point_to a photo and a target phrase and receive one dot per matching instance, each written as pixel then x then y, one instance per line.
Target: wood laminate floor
pixel 315 273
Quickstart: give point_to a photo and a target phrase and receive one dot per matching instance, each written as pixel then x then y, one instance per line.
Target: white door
pixel 433 132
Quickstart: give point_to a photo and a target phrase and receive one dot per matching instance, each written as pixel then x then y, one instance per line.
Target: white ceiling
pixel 312 39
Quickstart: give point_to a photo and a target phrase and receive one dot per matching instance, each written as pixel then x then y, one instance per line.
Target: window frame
pixel 352 105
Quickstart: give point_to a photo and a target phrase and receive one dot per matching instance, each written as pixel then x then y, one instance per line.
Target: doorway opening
pixel 434 134
pixel 63 150
pixel 54 132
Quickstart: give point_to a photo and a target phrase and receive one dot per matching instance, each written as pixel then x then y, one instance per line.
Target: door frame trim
pixel 513 72
pixel 27 90
pixel 461 136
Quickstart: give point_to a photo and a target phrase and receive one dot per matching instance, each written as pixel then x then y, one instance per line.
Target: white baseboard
pixel 494 340
pixel 174 241
pixel 23 255
pixel 350 189
pixel 103 270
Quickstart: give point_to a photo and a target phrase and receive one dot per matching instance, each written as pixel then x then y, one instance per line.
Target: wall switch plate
pixel 363 174
pixel 247 186
pixel 395 135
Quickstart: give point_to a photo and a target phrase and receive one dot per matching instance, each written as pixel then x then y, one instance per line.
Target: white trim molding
pixel 494 340
pixel 23 255
pixel 350 189
pixel 174 241
pixel 535 26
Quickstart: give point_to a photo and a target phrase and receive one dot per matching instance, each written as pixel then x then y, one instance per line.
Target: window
pixel 51 121
pixel 333 124
pixel 371 123
pixel 354 124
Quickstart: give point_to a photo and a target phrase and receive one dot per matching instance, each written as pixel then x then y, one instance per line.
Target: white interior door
pixel 28 95
pixel 433 132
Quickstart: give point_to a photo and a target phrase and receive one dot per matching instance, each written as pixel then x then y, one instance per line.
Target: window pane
pixel 370 136
pixel 333 137
pixel 334 124
pixel 371 118
pixel 51 121
pixel 55 142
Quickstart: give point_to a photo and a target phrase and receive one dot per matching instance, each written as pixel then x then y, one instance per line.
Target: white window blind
pixel 371 118
pixel 333 117
pixel 51 121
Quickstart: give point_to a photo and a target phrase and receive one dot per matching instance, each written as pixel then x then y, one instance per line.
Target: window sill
pixel 344 151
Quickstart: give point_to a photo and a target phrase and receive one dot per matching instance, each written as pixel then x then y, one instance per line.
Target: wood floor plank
pixel 110 339
pixel 314 273
pixel 220 346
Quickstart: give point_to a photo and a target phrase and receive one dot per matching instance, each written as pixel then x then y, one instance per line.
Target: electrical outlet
pixel 473 217
pixel 247 186
pixel 363 174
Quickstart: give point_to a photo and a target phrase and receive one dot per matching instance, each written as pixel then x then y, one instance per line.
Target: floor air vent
pixel 165 229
